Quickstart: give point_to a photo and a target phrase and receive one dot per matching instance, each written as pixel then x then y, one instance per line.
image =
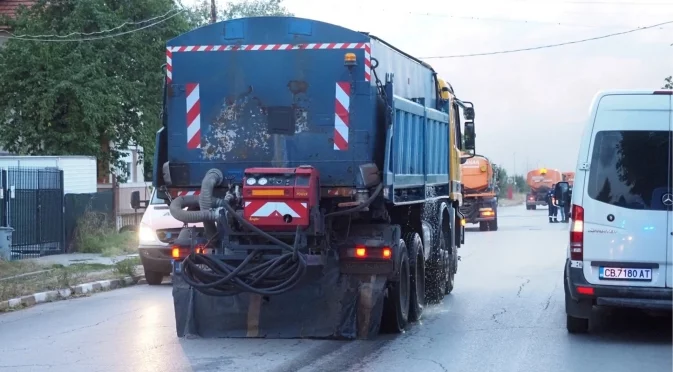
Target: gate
pixel 33 207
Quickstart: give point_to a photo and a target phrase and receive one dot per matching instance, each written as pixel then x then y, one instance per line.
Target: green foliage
pixel 68 98
pixel 240 9
pixel 668 83
pixel 97 235
pixel 519 186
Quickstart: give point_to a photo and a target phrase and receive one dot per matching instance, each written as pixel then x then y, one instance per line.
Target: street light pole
pixel 213 12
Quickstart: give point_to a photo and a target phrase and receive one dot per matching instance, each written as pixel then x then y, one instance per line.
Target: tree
pixel 232 10
pixel 668 83
pixel 73 98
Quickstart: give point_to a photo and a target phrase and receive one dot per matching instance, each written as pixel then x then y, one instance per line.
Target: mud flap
pixel 325 304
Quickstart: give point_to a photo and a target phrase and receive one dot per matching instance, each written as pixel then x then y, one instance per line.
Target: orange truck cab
pixel 480 202
pixel 540 182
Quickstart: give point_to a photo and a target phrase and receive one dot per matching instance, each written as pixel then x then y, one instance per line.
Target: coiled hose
pixel 273 277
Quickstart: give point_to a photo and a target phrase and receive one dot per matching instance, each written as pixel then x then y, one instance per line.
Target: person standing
pixel 569 198
pixel 551 204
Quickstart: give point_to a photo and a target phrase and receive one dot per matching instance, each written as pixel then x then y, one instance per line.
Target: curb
pixel 63 294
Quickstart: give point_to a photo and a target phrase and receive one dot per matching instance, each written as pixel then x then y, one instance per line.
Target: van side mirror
pixel 136 203
pixel 469 136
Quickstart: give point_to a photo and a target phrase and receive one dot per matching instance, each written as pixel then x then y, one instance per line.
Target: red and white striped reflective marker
pixel 193 117
pixel 266 47
pixel 169 65
pixel 341 115
pixel 368 62
pixel 185 193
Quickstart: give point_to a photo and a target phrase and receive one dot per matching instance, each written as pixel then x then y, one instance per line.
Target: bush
pixel 96 234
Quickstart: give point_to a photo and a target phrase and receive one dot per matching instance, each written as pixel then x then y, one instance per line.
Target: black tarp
pixel 325 304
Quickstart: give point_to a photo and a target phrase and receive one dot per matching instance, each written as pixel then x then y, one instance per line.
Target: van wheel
pixel 417 276
pixel 577 325
pixel 396 305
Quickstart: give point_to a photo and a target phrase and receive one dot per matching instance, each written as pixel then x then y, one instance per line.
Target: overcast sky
pixel 521 98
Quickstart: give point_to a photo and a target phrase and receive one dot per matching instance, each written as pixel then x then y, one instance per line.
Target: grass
pixel 41 278
pixel 95 234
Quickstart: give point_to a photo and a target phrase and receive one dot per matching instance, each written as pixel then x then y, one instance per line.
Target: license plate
pixel 624 273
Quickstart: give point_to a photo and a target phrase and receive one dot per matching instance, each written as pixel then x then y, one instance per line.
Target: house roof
pixel 10 7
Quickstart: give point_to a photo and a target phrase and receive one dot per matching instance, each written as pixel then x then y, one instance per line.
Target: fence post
pixel 5 199
pixel 62 187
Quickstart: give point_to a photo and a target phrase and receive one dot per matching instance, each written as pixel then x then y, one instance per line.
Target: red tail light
pixel 577 234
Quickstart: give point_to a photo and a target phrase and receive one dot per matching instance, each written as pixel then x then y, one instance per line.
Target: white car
pixel 621 234
pixel 157 231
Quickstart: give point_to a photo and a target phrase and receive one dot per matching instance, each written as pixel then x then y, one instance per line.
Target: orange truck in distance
pixel 480 202
pixel 540 182
pixel 568 177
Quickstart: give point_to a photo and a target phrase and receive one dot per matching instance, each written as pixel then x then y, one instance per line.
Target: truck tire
pixel 533 207
pixel 493 225
pixel 396 305
pixel 451 266
pixel 417 276
pixel 483 226
pixel 439 274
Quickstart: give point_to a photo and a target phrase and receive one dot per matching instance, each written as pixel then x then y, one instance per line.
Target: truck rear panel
pixel 276 92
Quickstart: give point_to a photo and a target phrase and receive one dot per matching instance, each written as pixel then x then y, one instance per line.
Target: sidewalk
pixel 31 281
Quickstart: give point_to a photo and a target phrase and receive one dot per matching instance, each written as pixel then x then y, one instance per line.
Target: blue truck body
pixel 267 95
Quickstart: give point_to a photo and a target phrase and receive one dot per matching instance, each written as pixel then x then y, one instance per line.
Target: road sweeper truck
pixel 540 182
pixel 323 165
pixel 480 202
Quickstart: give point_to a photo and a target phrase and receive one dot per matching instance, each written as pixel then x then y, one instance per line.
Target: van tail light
pixel 577 234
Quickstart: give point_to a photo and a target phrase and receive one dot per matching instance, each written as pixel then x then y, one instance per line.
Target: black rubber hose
pixel 359 207
pixel 272 277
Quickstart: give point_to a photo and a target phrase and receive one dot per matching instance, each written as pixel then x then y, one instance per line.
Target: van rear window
pixel 631 169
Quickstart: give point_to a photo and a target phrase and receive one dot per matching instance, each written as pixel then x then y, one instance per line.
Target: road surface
pixel 505 314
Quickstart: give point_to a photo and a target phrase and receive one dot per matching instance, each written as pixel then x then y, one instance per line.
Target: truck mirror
pixel 468 113
pixel 469 135
pixel 135 200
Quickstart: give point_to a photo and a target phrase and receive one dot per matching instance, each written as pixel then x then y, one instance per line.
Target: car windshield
pixel 637 175
pixel 155 200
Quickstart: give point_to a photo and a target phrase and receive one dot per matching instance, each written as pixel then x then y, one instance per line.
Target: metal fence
pixel 99 205
pixel 32 204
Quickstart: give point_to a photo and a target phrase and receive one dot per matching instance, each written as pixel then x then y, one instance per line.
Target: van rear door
pixel 626 223
pixel 668 199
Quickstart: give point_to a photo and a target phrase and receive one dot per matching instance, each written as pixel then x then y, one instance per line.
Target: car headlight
pixel 147 235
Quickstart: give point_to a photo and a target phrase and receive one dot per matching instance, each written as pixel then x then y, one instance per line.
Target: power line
pixel 98 37
pixel 474 18
pixel 549 45
pixel 90 33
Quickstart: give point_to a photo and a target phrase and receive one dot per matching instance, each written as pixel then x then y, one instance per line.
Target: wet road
pixel 505 314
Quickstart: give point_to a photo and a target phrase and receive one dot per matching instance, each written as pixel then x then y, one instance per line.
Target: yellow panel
pixel 268 192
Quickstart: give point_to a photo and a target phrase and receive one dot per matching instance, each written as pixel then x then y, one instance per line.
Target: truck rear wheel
pixel 493 225
pixel 483 226
pixel 439 274
pixel 417 276
pixel 396 304
pixel 533 207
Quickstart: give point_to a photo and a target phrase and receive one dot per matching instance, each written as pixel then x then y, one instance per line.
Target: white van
pixel 157 231
pixel 621 235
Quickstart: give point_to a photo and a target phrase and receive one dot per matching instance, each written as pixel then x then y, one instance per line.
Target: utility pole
pixel 213 12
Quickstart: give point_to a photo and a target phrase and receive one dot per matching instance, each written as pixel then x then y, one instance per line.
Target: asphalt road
pixel 505 314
